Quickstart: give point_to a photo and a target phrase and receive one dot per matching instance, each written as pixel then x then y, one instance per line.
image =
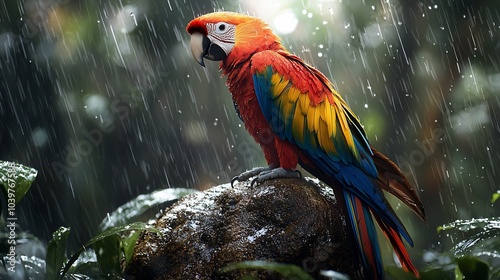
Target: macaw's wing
pixel 303 108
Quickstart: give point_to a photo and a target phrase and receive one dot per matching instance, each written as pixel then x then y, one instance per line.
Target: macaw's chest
pixel 246 104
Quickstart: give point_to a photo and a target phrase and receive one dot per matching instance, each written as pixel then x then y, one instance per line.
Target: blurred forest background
pixel 105 100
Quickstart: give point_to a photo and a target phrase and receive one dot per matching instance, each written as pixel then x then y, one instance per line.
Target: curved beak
pixel 202 47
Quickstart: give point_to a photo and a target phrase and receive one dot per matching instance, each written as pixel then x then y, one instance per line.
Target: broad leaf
pixel 128 245
pixel 110 232
pixel 467 225
pixel 132 209
pixel 16 179
pixel 56 253
pixel 484 236
pixel 34 267
pixel 108 253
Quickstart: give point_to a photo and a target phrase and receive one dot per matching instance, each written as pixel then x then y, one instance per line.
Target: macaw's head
pixel 229 37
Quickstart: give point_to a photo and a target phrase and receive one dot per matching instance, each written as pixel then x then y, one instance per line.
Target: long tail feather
pixel 366 236
pixel 398 246
pixel 391 179
pixel 361 216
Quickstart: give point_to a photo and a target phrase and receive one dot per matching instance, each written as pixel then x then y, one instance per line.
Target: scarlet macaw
pixel 294 112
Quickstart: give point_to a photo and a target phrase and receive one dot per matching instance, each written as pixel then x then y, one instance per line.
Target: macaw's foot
pixel 275 174
pixel 266 173
pixel 250 173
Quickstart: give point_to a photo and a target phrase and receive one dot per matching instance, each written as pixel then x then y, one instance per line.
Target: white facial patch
pixel 222 34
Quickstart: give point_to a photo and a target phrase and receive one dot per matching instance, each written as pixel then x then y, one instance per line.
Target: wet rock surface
pixel 293 221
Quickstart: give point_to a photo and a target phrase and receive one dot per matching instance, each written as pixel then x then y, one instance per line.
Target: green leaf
pixel 56 253
pixel 458 273
pixel 473 268
pixel 89 268
pixel 128 245
pixel 472 224
pixel 34 267
pixel 495 197
pixel 116 230
pixel 136 207
pixel 108 255
pixel 16 179
pixel 110 232
pixel 484 236
pixel 288 270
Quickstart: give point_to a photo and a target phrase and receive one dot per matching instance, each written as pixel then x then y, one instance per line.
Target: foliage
pixel 56 253
pixel 108 247
pixel 469 258
pixel 483 239
pixel 457 268
pixel 103 256
pixel 136 207
pixel 16 177
pixel 468 267
pixel 495 196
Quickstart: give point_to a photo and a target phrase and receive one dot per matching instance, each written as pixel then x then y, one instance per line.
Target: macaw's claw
pixel 275 174
pixel 250 173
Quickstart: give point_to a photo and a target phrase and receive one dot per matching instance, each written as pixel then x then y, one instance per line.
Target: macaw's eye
pixel 220 27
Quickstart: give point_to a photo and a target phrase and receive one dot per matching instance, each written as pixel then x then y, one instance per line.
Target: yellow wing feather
pixel 319 122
